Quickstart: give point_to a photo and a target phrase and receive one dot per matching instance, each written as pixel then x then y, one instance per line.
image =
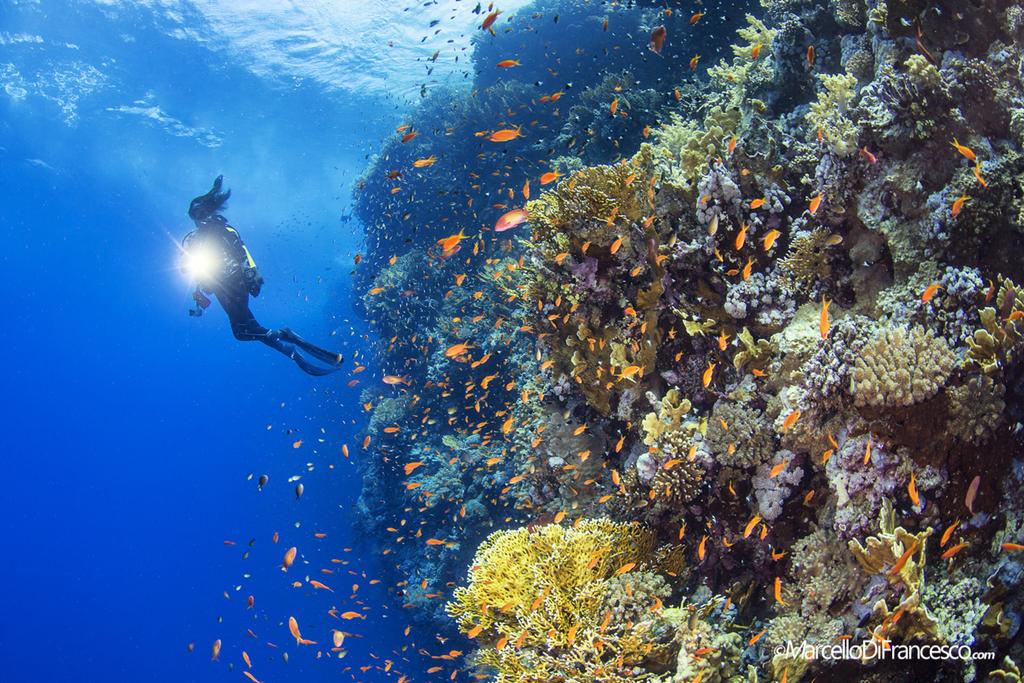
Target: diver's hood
pixel 204 206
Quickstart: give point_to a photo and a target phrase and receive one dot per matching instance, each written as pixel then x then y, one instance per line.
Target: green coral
pixel 829 113
pixel 685 147
pixel 922 72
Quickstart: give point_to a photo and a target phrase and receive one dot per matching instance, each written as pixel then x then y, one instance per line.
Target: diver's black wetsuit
pixel 231 288
pixel 236 279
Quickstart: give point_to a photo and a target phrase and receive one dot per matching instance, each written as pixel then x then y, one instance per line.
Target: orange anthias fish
pixel 948 533
pixel 449 243
pixel 693 62
pixel 657 42
pixel 456 350
pixel 409 136
pixel 751 525
pixel 790 420
pixel 823 323
pixel 511 219
pixel 953 550
pixel 550 177
pixel 757 203
pixel 815 203
pixel 958 205
pixel 508 63
pixel 900 563
pixel 424 163
pixel 769 239
pixel 755 51
pixel 293 627
pixel 964 150
pixel 289 558
pixel 696 17
pixel 614 106
pixel 708 374
pixel 930 292
pixel 741 236
pixel 489 20
pixel 396 379
pixel 505 134
pixel 778 592
pixel 915 497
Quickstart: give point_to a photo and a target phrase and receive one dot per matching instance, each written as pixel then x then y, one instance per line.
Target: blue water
pixel 129 428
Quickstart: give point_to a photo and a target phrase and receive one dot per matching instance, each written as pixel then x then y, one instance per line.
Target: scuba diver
pixel 220 263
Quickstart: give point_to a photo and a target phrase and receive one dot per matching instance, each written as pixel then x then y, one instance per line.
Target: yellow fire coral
pixel 669 416
pixel 1001 335
pixel 534 602
pixel 688 146
pixel 582 207
pixel 881 556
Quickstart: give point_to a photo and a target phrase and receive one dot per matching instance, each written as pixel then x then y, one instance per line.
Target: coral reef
pixel 749 310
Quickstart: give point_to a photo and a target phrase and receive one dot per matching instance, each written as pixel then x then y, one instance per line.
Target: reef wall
pixel 747 371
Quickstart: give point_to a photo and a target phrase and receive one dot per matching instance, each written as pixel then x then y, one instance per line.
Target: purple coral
pixel 772 492
pixel 859 487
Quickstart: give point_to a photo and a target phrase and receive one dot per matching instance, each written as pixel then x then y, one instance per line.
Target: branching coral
pixel 739 435
pixel 975 409
pixel 750 68
pixel 829 113
pixel 684 147
pixel 900 367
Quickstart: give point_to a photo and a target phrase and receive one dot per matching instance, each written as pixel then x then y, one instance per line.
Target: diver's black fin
pixel 316 351
pixel 311 368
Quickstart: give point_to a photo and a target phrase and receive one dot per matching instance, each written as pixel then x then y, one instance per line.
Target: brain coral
pixel 901 367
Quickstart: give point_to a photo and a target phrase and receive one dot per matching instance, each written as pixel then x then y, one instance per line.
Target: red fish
pixel 658 36
pixel 511 219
